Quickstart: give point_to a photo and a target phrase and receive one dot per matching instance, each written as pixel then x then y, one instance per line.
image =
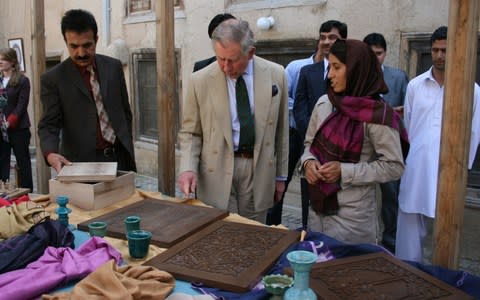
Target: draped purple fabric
pixel 18 251
pixel 55 268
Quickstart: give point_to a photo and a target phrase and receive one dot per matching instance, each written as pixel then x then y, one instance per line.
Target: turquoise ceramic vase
pixel 301 263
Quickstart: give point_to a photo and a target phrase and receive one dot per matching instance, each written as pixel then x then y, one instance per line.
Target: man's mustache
pixel 86 57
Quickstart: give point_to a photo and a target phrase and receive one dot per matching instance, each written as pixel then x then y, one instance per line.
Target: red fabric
pixel 5 202
pixel 12 121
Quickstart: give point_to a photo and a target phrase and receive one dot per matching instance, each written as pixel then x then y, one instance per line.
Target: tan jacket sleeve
pixel 323 108
pixel 190 133
pixel 386 163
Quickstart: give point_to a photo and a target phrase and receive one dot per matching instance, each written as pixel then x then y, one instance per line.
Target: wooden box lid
pixel 88 172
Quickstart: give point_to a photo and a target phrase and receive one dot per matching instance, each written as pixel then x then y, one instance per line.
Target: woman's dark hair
pixel 79 21
pixel 364 73
pixel 339 49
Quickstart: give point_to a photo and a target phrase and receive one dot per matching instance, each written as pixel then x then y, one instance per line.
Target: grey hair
pixel 236 31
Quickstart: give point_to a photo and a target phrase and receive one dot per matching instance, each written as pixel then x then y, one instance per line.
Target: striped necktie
pixel 105 125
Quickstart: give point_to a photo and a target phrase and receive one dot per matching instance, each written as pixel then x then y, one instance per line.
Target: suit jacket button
pixel 210 169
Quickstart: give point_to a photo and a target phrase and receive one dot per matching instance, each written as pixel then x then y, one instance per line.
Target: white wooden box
pixel 91 196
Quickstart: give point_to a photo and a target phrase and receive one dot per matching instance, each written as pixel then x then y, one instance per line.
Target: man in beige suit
pixel 225 168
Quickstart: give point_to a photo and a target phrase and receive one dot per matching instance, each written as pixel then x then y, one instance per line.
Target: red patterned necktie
pixel 105 125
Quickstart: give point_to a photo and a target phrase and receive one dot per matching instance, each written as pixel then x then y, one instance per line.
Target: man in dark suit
pixel 86 113
pixel 211 27
pixel 396 81
pixel 312 81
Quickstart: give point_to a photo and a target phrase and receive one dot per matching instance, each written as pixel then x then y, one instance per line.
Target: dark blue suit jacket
pixel 311 86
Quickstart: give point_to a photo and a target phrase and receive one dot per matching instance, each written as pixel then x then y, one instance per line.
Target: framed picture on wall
pixel 17 44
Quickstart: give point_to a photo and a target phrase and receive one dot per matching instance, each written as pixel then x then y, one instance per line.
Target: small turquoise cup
pixel 138 243
pixel 97 228
pixel 132 223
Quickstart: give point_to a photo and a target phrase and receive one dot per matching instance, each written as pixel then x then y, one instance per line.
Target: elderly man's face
pixel 232 61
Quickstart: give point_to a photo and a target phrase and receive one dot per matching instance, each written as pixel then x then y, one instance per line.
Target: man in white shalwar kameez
pixel 423 120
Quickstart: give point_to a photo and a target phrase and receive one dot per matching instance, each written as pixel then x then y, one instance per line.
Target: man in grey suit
pixel 234 132
pixel 396 81
pixel 86 113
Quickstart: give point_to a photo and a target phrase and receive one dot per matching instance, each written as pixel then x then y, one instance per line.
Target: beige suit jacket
pixel 205 137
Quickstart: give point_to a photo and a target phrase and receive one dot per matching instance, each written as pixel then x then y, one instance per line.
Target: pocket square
pixel 274 90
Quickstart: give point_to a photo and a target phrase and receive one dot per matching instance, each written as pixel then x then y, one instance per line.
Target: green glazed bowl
pixel 277 284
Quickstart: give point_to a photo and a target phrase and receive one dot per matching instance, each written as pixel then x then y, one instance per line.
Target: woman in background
pixel 14 119
pixel 352 143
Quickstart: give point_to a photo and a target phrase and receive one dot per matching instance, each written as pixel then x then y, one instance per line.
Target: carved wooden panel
pixel 169 222
pixel 226 255
pixel 377 276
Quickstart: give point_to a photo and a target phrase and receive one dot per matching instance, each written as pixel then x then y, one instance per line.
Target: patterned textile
pixel 340 138
pixel 462 280
pixel 105 125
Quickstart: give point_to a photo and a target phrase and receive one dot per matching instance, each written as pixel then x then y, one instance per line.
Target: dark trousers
pixel 4 160
pixel 274 215
pixel 117 153
pixel 19 141
pixel 389 212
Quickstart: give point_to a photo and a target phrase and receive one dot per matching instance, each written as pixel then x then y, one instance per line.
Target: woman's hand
pixel 312 174
pixel 330 171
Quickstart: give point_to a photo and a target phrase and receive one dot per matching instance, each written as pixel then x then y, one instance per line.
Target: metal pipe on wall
pixel 106 9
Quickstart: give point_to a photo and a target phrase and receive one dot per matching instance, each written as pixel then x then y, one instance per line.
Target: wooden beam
pixel 165 95
pixel 38 67
pixel 456 130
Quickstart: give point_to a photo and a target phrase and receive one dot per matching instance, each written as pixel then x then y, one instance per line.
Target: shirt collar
pixel 83 70
pixel 249 70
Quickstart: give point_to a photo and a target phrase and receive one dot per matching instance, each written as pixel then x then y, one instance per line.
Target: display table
pixel 331 249
pixel 79 215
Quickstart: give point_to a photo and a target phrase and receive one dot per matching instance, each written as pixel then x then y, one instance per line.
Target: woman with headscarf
pixel 352 143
